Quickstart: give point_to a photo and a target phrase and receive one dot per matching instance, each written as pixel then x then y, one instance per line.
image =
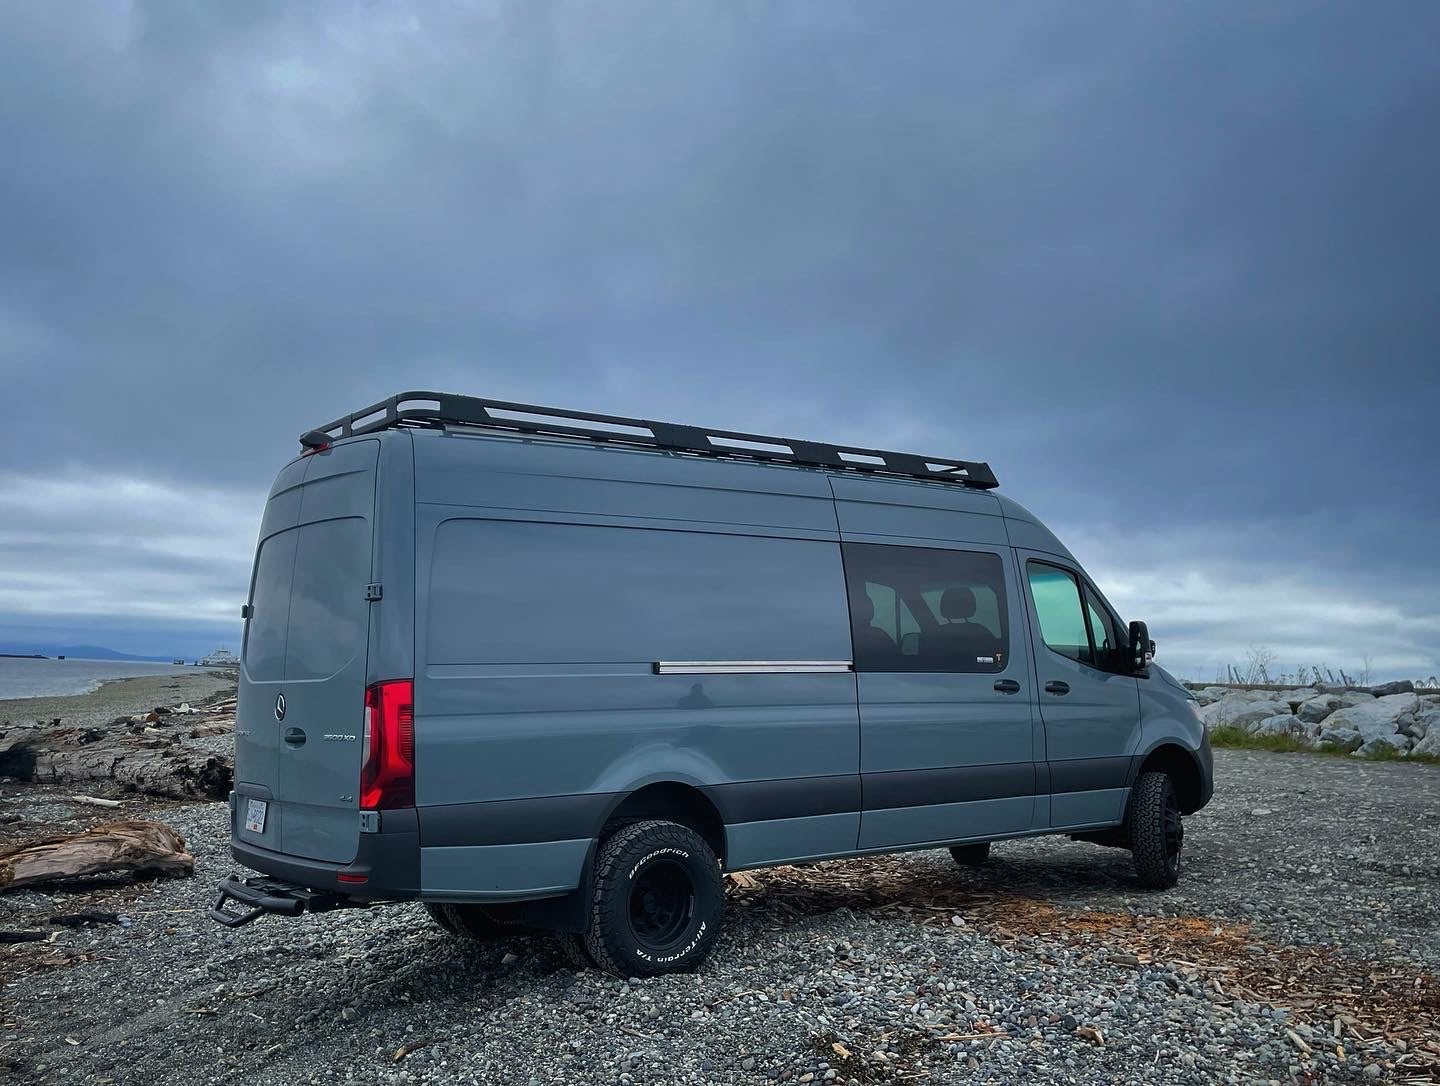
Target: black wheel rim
pixel 1174 833
pixel 662 901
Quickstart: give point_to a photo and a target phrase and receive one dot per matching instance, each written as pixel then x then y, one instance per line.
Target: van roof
pixel 440 409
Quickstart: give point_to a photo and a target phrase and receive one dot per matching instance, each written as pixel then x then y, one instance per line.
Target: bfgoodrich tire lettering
pixel 657 901
pixel 1157 833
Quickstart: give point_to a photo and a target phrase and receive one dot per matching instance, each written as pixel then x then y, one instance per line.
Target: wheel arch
pixel 672 800
pixel 1182 766
pixel 675 801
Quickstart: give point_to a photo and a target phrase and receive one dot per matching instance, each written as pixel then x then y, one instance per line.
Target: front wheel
pixel 657 902
pixel 970 855
pixel 1156 831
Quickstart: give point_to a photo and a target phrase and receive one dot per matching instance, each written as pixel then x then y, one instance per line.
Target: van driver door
pixel 1089 700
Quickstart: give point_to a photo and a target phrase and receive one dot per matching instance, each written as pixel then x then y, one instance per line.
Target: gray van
pixel 554 670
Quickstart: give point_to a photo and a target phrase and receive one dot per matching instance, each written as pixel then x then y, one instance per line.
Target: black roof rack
pixel 439 409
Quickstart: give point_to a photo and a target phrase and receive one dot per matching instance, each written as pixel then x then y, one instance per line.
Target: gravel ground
pixel 119 697
pixel 1308 910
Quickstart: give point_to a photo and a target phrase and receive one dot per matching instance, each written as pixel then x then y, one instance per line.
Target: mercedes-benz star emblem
pixel 279 706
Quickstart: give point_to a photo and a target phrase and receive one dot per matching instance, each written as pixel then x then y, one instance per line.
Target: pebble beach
pixel 119 697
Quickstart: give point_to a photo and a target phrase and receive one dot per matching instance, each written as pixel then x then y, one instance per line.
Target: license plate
pixel 255 816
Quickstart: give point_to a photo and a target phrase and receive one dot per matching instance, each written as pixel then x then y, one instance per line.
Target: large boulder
pixel 1404 686
pixel 1211 694
pixel 1240 709
pixel 1296 697
pixel 1347 739
pixel 1425 723
pixel 1429 746
pixel 1280 724
pixel 1315 709
pixel 1378 719
pixel 1384 744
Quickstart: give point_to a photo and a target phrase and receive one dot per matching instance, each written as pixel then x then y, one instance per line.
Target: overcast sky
pixel 1173 270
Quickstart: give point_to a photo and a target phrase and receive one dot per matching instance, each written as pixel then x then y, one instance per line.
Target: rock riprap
pixel 1390 719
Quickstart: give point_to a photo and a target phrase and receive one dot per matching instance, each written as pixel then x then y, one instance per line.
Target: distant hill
pixel 78 652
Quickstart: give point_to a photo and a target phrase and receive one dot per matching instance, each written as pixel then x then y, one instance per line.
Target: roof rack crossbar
pixel 439 409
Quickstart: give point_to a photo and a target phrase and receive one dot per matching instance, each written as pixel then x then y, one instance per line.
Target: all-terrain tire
pixel 471 922
pixel 658 898
pixel 572 948
pixel 970 855
pixel 441 918
pixel 1156 831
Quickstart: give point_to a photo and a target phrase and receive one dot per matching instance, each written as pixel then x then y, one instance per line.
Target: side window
pixel 884 610
pixel 1057 603
pixel 1105 634
pixel 923 609
pixel 584 593
pixel 308 616
pixel 329 618
pixel 265 630
pixel 893 617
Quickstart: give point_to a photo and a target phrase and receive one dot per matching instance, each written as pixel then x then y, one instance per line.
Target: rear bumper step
pixel 260 895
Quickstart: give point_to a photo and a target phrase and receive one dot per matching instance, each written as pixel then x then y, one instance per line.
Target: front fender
pixel 1168 722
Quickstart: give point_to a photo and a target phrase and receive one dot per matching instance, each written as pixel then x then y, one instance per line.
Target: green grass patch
pixel 1230 738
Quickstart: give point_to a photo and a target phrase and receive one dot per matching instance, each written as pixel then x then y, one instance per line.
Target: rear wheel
pixel 970 855
pixel 442 919
pixel 572 947
pixel 470 922
pixel 657 901
pixel 1156 831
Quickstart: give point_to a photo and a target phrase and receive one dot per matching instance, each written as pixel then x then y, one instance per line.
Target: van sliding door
pixel 945 694
pixel 566 665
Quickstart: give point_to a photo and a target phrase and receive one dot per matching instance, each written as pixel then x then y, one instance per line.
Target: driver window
pixel 1057 605
pixel 1110 644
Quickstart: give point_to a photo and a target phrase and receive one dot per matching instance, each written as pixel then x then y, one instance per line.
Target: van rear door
pixel 300 717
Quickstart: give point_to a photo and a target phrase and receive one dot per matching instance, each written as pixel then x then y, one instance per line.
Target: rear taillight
pixel 388 777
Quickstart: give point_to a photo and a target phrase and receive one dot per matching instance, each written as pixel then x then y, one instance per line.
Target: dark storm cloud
pixel 1171 271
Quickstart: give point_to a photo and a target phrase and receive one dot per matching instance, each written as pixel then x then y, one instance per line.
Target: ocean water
pixel 54 678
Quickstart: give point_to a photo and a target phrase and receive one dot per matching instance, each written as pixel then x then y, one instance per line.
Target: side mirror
pixel 1142 649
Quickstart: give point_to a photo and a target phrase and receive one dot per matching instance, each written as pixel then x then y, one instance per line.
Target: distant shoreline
pixel 125 696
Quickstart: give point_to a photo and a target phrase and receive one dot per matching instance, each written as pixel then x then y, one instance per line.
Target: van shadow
pixel 930 883
pixel 1035 891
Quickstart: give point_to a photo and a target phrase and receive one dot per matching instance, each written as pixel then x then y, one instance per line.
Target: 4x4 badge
pixel 279 706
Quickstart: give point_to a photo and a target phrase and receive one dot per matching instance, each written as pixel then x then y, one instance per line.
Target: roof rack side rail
pixel 439 409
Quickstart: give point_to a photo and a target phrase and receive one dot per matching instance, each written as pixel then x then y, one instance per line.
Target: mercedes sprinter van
pixel 556 670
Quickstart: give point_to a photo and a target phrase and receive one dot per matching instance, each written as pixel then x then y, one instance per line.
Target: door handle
pixel 1055 686
pixel 295 737
pixel 1007 686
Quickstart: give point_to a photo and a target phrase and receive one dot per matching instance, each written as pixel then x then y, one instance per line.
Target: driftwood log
pixel 133 846
pixel 160 765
